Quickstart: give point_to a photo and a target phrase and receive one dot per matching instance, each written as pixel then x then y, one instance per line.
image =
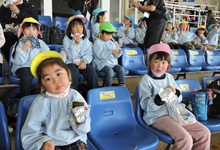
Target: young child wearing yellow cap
pixel 59 116
pixel 106 52
pixel 188 135
pixel 24 50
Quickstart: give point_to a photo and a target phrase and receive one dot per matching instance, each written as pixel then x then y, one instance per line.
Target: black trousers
pixel 25 76
pixel 155 29
pixel 10 39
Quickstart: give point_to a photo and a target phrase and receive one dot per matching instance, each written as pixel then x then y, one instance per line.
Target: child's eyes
pixel 47 79
pixel 59 74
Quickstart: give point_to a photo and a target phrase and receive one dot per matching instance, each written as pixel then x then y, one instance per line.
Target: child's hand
pixel 126 31
pixel 172 89
pixel 82 65
pixel 116 51
pixel 48 145
pixel 26 45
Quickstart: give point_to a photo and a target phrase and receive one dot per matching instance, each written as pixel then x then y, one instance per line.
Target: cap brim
pixel 41 57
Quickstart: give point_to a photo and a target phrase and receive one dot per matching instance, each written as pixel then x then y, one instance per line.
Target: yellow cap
pixel 30 19
pixel 41 57
pixel 184 22
pixel 201 27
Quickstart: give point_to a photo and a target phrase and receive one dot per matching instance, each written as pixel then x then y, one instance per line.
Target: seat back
pixel 45 20
pixel 179 58
pixel 213 57
pixel 23 108
pixel 188 87
pixel 61 22
pixel 133 60
pixel 196 58
pixel 207 80
pixel 111 109
pixel 5 142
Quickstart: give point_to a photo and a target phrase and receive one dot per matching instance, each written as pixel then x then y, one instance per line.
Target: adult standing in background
pixel 154 10
pixel 12 13
pixel 210 18
pixel 82 5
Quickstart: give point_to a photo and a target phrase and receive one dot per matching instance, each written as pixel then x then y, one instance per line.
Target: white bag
pixel 177 111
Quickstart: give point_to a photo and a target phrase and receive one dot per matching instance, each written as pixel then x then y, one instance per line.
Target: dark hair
pixel 205 34
pixel 106 32
pixel 161 56
pixel 99 14
pixel 72 23
pixel 25 25
pixel 50 62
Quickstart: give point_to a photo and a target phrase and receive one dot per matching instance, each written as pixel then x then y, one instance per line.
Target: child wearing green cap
pixel 126 33
pixel 58 118
pixel 24 50
pixel 106 53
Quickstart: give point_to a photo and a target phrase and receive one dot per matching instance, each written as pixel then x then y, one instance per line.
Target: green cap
pixel 107 26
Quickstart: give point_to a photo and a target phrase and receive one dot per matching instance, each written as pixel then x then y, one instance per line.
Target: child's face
pixel 29 31
pixel 127 21
pixel 169 27
pixel 201 31
pixel 77 28
pixel 105 36
pixel 183 26
pixel 55 79
pixel 102 18
pixel 158 66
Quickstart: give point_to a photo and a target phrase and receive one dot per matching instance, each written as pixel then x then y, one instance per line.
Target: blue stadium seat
pixel 5 142
pixel 208 79
pixel 132 60
pixel 23 108
pixel 45 20
pixel 139 116
pixel 188 86
pixel 113 123
pixel 179 60
pixel 213 58
pixel 3 73
pixel 61 22
pixel 196 58
pixel 12 78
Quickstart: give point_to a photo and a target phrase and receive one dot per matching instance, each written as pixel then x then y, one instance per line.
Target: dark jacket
pixel 26 10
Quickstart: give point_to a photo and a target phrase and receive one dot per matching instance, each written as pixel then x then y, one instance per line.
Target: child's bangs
pixel 28 24
pixel 163 56
pixel 77 21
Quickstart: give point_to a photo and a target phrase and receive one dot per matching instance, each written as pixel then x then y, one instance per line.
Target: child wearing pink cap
pixel 191 135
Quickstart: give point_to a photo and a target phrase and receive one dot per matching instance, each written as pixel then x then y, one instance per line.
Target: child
pixel 185 37
pixel 59 117
pixel 79 52
pixel 170 36
pixel 200 38
pixel 25 49
pixel 106 53
pixel 2 42
pixel 140 32
pixel 126 32
pixel 188 136
pixel 213 35
pixel 98 18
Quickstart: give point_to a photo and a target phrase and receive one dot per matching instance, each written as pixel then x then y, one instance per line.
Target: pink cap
pixel 163 47
pixel 77 17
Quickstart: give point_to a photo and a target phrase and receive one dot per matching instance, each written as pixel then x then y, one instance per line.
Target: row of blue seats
pixel 112 104
pixel 134 62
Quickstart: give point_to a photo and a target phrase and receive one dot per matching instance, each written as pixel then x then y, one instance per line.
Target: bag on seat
pixel 214 110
